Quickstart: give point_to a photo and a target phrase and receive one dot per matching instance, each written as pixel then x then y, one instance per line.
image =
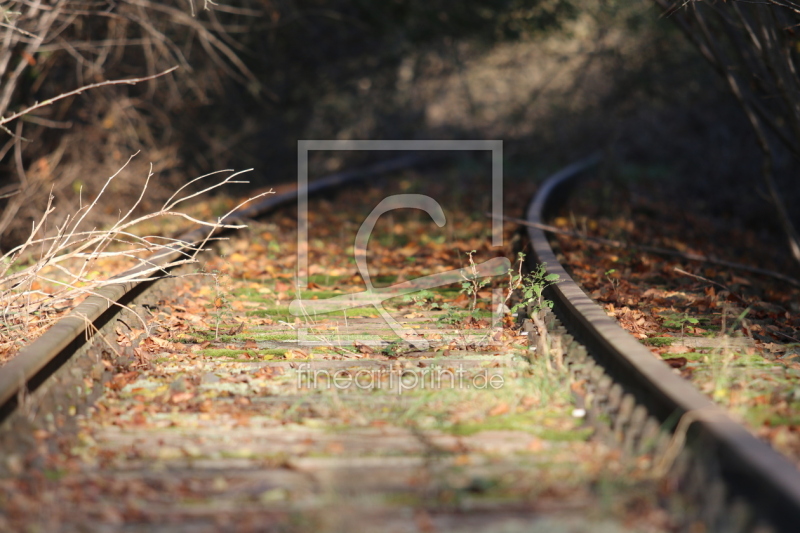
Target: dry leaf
pixel 499 409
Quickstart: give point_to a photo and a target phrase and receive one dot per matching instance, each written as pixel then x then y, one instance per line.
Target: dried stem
pixel 65 260
pixel 50 101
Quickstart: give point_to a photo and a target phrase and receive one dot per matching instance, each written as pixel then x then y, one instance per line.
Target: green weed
pixel 531 286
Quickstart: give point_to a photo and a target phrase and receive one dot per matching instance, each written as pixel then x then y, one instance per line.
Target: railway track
pixel 248 439
pixel 724 468
pixel 38 361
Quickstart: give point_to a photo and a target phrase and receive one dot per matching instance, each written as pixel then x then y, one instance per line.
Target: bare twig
pixel 710 281
pixel 71 253
pixel 50 101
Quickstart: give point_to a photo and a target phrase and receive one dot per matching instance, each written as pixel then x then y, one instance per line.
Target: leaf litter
pixel 223 417
pixel 734 334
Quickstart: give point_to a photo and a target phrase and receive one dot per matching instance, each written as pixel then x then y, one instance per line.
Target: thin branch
pixel 712 282
pixel 14 28
pixel 39 105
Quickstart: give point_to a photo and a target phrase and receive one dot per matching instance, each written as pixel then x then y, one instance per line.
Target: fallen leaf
pixel 499 409
pixel 180 397
pixel 120 380
pixel 676 362
pixel 363 348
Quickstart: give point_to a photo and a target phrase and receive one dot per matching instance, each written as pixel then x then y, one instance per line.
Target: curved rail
pixel 37 361
pixel 750 468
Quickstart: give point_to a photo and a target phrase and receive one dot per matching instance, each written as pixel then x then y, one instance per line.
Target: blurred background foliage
pixel 755 47
pixel 555 79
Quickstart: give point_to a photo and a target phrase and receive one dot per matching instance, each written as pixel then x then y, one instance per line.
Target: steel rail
pixel 40 359
pixel 749 467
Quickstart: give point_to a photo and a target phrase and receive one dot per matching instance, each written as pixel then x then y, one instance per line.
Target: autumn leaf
pixel 676 362
pixel 180 397
pixel 499 409
pixel 363 348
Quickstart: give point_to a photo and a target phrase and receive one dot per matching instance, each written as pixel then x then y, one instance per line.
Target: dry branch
pixel 64 260
pixel 50 101
pixel 50 48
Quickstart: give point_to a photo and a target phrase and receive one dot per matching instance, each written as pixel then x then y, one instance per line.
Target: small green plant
pixel 614 281
pixel 394 349
pixel 739 320
pixel 531 286
pixel 450 316
pixel 679 321
pixel 659 342
pixel 470 287
pixel 423 299
pixel 220 303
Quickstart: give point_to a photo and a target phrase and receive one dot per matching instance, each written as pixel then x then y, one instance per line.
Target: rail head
pixel 762 475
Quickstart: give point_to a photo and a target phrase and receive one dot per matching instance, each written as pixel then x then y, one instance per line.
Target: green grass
pixel 324 279
pixel 530 422
pixel 200 336
pixel 281 314
pixel 251 294
pixel 320 294
pixel 53 475
pixel 272 313
pixel 691 356
pixel 758 415
pixel 571 435
pixel 266 336
pixel 660 342
pixel 273 351
pixel 332 336
pixel 221 352
pixel 227 352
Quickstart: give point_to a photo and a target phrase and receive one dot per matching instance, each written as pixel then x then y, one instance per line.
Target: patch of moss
pixel 333 337
pixel 352 313
pixel 659 342
pixel 184 338
pixel 569 435
pixel 759 415
pixel 324 279
pixel 267 336
pixel 251 336
pixel 251 294
pixel 754 360
pixel 691 356
pixel 448 292
pixel 319 294
pixel 221 352
pixel 274 314
pixel 528 422
pixel 53 475
pixel 271 353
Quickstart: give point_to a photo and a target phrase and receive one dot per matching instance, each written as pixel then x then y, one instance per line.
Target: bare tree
pixel 54 51
pixel 755 47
